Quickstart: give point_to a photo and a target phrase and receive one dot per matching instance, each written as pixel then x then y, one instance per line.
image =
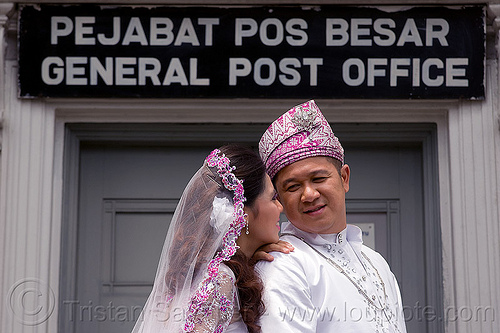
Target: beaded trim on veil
pixel 206 289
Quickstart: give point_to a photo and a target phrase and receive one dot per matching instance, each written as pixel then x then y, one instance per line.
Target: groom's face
pixel 313 194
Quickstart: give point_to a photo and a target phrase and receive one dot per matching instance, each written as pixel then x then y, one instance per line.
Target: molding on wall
pixel 6 10
pixel 470 235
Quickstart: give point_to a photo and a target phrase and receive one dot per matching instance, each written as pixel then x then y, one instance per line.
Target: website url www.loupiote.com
pixel 416 312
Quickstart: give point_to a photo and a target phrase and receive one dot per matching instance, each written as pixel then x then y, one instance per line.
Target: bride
pixel 205 281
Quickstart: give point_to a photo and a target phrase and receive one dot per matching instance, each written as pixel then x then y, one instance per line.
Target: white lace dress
pixel 228 317
pixel 236 325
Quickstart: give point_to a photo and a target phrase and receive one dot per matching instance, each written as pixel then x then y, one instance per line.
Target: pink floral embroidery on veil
pixel 207 287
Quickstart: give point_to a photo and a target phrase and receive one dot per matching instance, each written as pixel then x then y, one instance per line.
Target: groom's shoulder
pixel 377 259
pixel 296 261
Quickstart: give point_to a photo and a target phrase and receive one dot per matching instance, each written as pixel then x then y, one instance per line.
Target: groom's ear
pixel 345 174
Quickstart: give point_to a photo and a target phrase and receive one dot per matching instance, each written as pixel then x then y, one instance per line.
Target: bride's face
pixel 264 216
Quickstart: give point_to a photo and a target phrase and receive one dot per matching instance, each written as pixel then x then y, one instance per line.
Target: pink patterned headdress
pixel 299 133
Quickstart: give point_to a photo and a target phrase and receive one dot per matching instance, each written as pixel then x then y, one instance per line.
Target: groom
pixel 331 282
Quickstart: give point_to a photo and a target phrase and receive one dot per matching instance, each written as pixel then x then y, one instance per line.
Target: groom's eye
pixel 319 179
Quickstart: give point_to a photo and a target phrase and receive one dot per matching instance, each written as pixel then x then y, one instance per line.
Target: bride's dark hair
pixel 188 246
pixel 251 169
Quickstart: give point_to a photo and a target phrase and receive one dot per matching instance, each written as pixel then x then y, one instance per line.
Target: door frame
pixel 177 134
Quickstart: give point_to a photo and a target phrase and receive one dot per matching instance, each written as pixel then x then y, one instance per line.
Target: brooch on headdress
pixel 304 118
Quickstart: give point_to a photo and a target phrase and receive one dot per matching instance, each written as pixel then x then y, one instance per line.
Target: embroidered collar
pixel 351 234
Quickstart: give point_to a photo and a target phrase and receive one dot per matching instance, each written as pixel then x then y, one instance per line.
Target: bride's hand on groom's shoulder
pixel 262 252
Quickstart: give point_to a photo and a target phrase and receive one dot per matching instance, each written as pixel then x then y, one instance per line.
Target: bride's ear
pixel 248 213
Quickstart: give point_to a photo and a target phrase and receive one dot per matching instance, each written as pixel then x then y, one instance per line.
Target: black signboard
pixel 252 52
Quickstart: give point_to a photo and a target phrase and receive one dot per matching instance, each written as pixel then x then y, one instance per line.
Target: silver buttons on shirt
pixel 340 239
